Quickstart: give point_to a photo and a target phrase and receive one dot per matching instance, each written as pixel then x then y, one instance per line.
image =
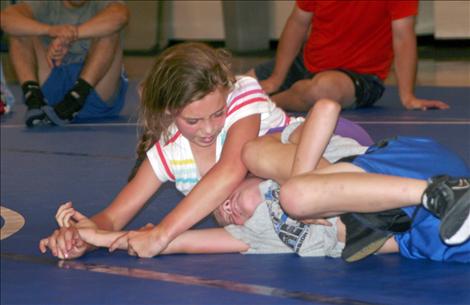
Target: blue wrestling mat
pixel 89 162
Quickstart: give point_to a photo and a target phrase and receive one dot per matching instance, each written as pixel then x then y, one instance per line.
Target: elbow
pixel 6 22
pixel 121 15
pixel 125 16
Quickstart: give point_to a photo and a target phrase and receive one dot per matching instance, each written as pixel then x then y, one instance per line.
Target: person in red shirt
pixel 343 50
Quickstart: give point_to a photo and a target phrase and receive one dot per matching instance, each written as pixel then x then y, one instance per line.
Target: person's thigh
pixel 296 72
pixel 368 88
pixel 44 69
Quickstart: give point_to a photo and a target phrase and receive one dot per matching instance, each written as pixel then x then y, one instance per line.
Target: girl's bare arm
pixel 215 186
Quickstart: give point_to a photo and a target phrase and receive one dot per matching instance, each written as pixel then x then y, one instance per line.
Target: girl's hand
pixel 67 217
pixel 147 242
pixel 64 214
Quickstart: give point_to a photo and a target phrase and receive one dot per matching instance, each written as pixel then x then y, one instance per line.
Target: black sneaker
pixel 34 115
pixel 361 240
pixel 64 112
pixel 449 199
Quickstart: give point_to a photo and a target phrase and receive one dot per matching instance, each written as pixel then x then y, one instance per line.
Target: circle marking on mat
pixel 13 222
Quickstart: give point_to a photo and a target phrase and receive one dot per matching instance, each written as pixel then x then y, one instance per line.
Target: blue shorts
pixel 368 87
pixel 62 79
pixel 419 158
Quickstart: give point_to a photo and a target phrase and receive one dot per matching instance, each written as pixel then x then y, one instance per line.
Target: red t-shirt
pixel 354 35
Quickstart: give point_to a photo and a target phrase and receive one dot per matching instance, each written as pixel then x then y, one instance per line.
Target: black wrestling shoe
pixel 64 112
pixel 361 240
pixel 34 100
pixel 449 199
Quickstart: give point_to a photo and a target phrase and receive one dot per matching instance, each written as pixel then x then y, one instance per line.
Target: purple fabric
pixel 347 128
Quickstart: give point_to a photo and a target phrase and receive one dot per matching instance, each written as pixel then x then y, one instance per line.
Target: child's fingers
pixel 43 245
pixel 69 239
pixel 66 219
pixel 60 211
pixel 77 216
pixel 64 206
pixel 63 218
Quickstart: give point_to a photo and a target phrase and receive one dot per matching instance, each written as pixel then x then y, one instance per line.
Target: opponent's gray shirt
pixel 270 230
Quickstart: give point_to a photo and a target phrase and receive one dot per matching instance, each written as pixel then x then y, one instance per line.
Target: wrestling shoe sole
pixel 455 226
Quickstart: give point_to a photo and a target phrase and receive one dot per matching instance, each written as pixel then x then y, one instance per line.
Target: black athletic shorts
pixel 369 88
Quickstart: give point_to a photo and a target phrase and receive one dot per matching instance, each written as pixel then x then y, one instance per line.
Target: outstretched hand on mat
pixel 415 103
pixel 66 242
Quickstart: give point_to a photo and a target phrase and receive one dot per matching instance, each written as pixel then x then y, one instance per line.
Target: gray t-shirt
pixel 270 230
pixel 55 13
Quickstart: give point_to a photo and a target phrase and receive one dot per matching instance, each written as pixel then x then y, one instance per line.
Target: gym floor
pixel 89 162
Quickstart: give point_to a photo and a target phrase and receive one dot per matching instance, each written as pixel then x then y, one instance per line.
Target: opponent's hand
pixel 64 243
pixel 414 103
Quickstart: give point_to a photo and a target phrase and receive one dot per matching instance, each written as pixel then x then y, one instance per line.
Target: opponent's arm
pixel 66 243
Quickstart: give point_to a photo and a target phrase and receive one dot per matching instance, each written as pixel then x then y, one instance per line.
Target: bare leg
pixel 28 56
pixel 103 65
pixel 329 192
pixel 303 94
pixel 266 157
